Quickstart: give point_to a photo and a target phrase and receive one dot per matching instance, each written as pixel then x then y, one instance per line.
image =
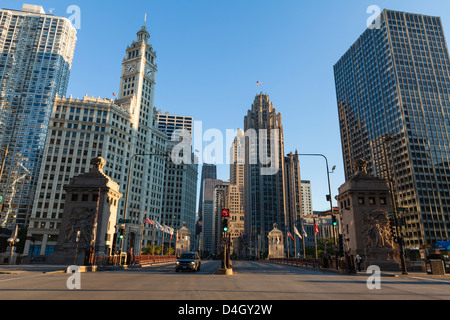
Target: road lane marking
pixel 35 276
pixel 432 279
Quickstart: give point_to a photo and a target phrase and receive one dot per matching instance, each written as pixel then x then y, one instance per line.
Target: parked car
pixel 188 261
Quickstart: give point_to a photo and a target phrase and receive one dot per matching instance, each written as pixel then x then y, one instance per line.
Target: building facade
pixel 37 52
pixel 307 207
pixel 235 196
pixel 293 200
pixel 392 89
pixel 180 182
pixel 209 171
pixel 207 246
pixel 81 129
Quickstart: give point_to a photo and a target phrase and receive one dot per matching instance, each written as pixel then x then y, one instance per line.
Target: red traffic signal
pixel 225 213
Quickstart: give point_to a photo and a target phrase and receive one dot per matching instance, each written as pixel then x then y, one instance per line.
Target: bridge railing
pixel 315 263
pixel 152 259
pixel 298 262
pixel 123 259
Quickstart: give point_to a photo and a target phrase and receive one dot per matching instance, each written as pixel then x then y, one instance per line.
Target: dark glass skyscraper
pixel 393 94
pixel 209 171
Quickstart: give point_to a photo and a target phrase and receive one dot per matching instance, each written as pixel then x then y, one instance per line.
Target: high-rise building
pixel 207 234
pixel 36 57
pixel 264 180
pixel 306 198
pixel 392 89
pixel 180 182
pixel 79 130
pixel 293 194
pixel 235 195
pixel 117 131
pixel 209 171
pixel 168 123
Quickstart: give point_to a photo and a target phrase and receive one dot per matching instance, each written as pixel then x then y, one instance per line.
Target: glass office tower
pixel 36 51
pixel 393 95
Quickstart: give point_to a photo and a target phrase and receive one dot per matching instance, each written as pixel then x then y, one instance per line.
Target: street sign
pixel 390 214
pixel 124 221
pixel 225 213
pixel 1 198
pixel 402 209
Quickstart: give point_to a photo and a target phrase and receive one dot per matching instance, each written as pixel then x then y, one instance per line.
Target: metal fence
pixel 315 263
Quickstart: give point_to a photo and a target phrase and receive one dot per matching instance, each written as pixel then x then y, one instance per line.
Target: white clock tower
pixel 138 77
pixel 136 95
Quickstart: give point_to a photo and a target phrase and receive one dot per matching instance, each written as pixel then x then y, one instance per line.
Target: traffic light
pixel 122 233
pixel 334 221
pixel 224 224
pixel 392 227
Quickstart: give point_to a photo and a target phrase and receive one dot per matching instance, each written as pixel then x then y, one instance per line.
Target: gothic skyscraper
pixel 264 182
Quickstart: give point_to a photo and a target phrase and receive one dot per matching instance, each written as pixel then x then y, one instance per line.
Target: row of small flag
pixel 158 226
pixel 316 231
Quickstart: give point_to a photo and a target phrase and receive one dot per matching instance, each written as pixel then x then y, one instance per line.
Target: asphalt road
pixel 250 281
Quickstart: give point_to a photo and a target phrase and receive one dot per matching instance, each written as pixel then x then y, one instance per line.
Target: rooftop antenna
pixel 145 20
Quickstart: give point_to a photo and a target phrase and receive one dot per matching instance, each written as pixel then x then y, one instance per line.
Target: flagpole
pixel 315 237
pixel 162 243
pixel 153 244
pixel 288 247
pixel 142 237
pixel 304 248
pixel 295 247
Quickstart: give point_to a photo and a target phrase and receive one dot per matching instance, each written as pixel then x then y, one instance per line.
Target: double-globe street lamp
pixel 167 155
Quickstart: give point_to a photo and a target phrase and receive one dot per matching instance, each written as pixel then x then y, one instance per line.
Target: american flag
pixel 149 221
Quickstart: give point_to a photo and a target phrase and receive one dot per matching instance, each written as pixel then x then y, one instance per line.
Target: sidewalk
pixel 418 274
pixel 47 268
pixel 33 268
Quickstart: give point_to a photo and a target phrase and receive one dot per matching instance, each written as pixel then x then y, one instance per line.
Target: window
pixel 371 200
pixel 360 200
pixel 382 200
pixel 74 197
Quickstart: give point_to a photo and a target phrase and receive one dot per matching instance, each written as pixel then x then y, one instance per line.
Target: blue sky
pixel 210 53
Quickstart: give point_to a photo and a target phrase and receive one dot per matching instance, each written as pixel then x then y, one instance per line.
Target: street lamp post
pixel 329 185
pixel 4 154
pixel 388 138
pixel 128 183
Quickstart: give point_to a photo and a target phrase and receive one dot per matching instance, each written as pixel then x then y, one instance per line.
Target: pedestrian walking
pixel 358 261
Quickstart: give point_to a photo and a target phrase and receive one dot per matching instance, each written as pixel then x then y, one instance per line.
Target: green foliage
pixel 148 250
pixel 311 251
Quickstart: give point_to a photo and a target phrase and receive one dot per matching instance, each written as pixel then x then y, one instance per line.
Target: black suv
pixel 188 261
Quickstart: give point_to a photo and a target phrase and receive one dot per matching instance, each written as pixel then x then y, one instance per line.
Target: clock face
pixel 148 71
pixel 130 68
